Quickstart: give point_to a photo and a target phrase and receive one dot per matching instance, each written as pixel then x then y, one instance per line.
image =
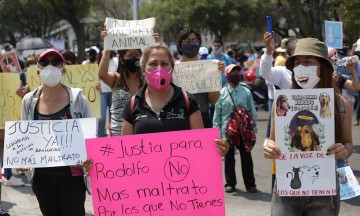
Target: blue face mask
pixel 203 56
pixel 217 52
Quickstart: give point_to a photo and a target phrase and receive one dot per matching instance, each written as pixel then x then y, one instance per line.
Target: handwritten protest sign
pixel 9 62
pixel 304 122
pixel 47 143
pixel 10 102
pixel 160 174
pixel 197 76
pixel 76 76
pixel 128 34
pixel 334 34
pixel 349 186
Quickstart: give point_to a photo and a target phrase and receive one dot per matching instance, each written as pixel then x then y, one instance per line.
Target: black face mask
pixel 190 50
pixel 132 65
pixel 343 51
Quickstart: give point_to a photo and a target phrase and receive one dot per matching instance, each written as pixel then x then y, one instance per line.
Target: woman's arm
pixel 270 149
pixel 213 97
pixel 109 78
pixel 345 148
pixel 352 85
pixel 127 128
pixel 112 78
pixel 196 121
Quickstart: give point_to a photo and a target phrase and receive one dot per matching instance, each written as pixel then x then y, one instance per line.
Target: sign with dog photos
pixel 304 122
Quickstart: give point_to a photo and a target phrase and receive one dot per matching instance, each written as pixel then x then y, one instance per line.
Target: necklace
pixel 157 104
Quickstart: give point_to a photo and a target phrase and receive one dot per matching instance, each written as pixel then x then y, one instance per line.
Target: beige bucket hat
pixel 308 47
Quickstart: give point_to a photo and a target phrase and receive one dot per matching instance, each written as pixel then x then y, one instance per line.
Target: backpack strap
pixel 132 104
pixel 186 99
pixel 227 87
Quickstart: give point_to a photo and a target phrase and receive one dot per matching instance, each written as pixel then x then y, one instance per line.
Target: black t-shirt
pixel 173 117
pixel 64 114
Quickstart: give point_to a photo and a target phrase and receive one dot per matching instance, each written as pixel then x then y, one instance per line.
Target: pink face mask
pixel 158 78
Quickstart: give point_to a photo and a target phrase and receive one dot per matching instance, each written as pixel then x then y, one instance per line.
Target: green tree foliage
pixel 350 15
pixel 307 16
pixel 118 9
pixel 216 17
pixel 222 17
pixel 74 11
pixel 36 17
pixel 171 16
pixel 28 17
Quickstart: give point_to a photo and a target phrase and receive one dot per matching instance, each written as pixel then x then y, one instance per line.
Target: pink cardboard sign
pixel 159 174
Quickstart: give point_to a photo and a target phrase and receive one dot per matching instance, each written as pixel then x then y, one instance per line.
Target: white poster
pixel 47 143
pixel 304 122
pixel 128 34
pixel 197 76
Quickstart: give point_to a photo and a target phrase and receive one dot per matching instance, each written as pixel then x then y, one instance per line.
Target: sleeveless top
pixel 119 99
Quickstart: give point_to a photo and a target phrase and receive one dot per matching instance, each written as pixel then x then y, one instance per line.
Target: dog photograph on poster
pixel 282 105
pixel 305 132
pixel 325 111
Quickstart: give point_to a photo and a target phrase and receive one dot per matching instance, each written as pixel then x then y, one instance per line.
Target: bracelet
pixel 349 153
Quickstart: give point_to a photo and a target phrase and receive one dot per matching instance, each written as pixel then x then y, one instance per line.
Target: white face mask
pixel 50 75
pixel 306 76
pixel 217 52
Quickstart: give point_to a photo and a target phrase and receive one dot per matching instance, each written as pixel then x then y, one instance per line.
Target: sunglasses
pixel 193 42
pixel 45 63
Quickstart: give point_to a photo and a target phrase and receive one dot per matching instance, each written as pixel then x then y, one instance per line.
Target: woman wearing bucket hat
pixel 310 57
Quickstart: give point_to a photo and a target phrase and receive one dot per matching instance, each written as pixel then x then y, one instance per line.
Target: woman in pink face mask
pixel 160 105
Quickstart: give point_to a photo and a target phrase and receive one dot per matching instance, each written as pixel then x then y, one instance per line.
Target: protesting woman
pixel 124 82
pixel 310 58
pixel 158 97
pixel 60 191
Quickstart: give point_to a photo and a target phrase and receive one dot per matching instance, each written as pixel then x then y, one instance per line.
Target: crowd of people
pixel 137 90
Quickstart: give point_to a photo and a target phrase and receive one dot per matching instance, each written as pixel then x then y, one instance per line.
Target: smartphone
pixel 269 23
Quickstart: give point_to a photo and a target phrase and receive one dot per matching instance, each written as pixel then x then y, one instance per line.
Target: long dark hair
pixel 326 81
pixel 124 73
